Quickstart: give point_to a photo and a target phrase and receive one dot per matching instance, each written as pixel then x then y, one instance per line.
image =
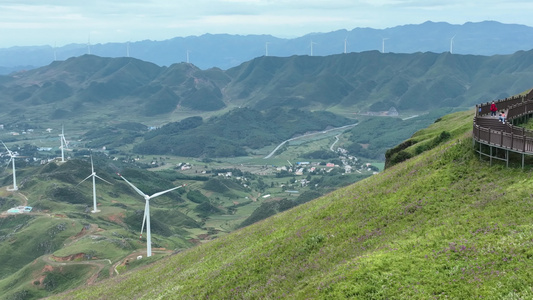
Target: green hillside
pixel 61 245
pixel 248 108
pixel 228 135
pixel 90 88
pixel 442 224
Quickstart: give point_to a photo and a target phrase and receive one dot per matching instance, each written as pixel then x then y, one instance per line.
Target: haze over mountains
pixel 360 82
pixel 405 233
pixel 225 51
pixel 94 91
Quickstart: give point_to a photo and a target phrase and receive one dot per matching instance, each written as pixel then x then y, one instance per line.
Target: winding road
pixel 335 142
pixel 307 135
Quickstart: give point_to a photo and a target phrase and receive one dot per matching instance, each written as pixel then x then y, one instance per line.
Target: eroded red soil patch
pixel 117 218
pixel 78 256
pixel 80 234
pixel 42 275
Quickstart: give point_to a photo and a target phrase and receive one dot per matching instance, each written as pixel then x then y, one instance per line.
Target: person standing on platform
pixel 493 109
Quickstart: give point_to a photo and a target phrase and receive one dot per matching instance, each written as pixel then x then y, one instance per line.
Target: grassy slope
pixel 442 224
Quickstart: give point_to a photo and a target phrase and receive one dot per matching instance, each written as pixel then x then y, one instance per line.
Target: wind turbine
pixel 188 56
pixel 64 144
pixel 94 176
pixel 312 47
pixel 266 48
pixel 383 45
pixel 12 159
pixel 451 44
pixel 345 42
pixel 146 217
pixel 89 44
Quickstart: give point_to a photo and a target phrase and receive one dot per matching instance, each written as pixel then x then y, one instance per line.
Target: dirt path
pixel 133 256
pixel 99 264
pixel 24 198
pixel 24 203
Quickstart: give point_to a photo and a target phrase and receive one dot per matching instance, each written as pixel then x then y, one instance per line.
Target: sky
pixel 62 22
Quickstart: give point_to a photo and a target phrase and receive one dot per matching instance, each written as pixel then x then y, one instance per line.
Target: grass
pixel 441 225
pixel 27 240
pixel 115 240
pixel 35 238
pixel 29 283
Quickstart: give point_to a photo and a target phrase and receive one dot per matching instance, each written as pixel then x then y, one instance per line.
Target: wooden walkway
pixel 495 139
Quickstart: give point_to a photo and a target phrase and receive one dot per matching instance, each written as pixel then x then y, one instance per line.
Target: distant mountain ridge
pixel 352 82
pixel 226 51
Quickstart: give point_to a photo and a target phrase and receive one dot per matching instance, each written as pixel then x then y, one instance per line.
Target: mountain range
pixel 90 91
pixel 226 51
pixel 367 81
pixel 439 222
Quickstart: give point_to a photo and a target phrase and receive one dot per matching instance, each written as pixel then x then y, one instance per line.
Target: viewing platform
pixel 504 140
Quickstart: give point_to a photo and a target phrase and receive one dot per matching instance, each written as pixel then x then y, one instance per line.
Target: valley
pixel 266 150
pixel 106 244
pixel 442 224
pixel 256 141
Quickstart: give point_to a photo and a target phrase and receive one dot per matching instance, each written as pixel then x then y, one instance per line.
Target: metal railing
pixel 490 131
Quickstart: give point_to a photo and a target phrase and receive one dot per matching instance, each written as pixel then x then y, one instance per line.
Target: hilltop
pixel 91 94
pixel 226 51
pixel 443 224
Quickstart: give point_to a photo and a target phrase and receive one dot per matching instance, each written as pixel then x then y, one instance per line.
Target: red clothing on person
pixel 493 107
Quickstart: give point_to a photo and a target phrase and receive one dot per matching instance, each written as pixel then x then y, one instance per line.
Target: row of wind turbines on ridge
pixel 266 47
pixel 146 217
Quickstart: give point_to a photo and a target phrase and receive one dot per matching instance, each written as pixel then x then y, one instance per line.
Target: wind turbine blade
pixel 134 187
pixel 64 141
pixel 6 147
pixel 7 165
pixel 163 192
pixel 85 179
pixel 92 165
pixel 102 179
pixel 144 220
pixel 9 152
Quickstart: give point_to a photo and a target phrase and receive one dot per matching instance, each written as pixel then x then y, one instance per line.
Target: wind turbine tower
pixel 266 48
pixel 128 49
pixel 94 176
pixel 312 43
pixel 12 159
pixel 383 45
pixel 64 144
pixel 451 44
pixel 187 56
pixel 345 42
pixel 147 213
pixel 89 45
